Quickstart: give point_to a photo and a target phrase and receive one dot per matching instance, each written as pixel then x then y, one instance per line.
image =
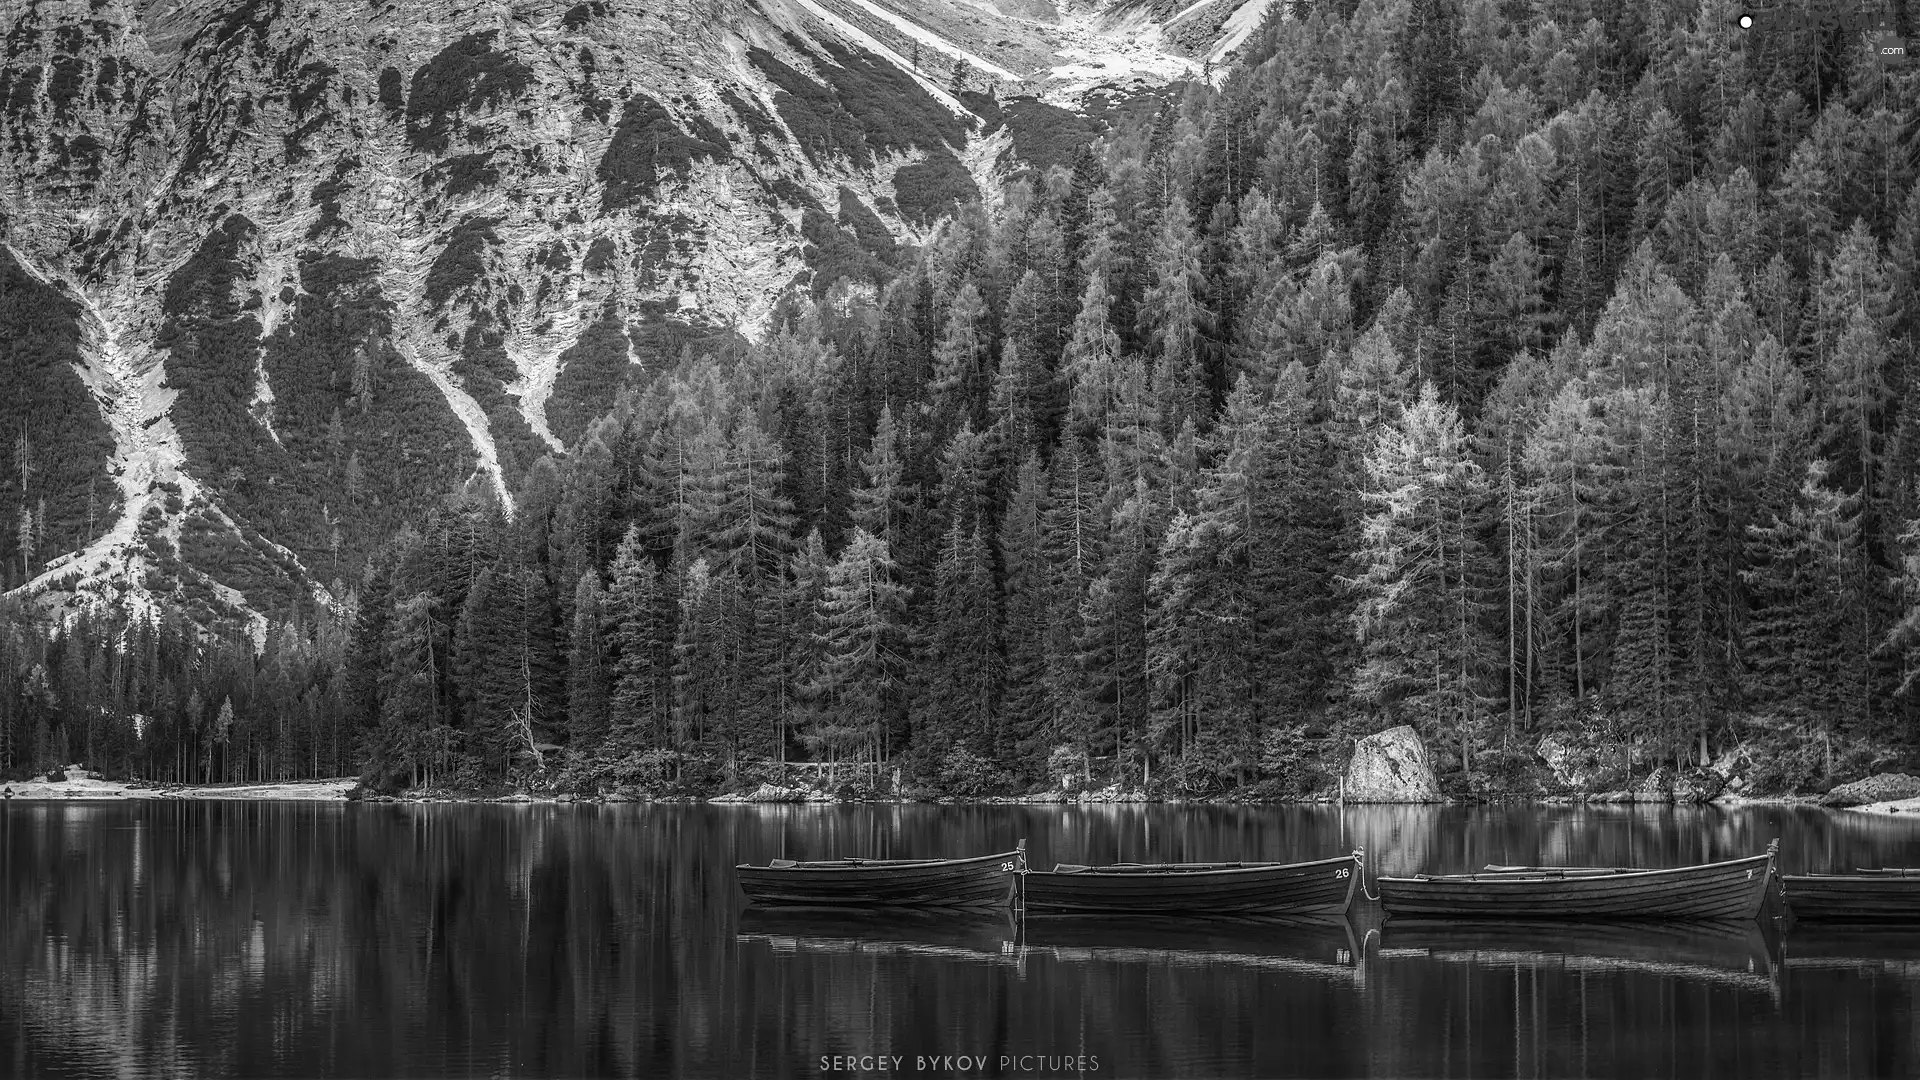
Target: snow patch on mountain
pixel 934 41
pixel 1238 27
pixel 874 45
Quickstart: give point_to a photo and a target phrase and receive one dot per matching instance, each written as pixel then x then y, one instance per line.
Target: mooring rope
pixel 1360 867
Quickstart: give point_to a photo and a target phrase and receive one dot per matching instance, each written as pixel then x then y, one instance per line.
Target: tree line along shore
pixel 1540 383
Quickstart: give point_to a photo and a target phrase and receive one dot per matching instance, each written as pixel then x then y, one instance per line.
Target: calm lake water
pixel 279 940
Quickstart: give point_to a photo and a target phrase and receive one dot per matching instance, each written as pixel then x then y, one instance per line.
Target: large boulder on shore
pixel 1570 764
pixel 1391 767
pixel 1883 787
pixel 1697 785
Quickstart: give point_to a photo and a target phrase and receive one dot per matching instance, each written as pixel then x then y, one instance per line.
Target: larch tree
pixel 1421 578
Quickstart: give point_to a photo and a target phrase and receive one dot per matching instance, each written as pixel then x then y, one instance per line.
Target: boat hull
pixel 1322 887
pixel 1730 890
pixel 1853 897
pixel 985 882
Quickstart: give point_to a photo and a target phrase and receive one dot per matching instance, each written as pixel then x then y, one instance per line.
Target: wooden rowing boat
pixel 985 881
pixel 1891 895
pixel 1734 889
pixel 1321 887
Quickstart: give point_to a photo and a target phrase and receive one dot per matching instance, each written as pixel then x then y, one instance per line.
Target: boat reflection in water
pixel 1853 949
pixel 1745 955
pixel 1324 947
pixel 1321 947
pixel 967 937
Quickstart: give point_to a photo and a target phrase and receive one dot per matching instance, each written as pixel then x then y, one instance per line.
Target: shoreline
pixel 87 788
pixel 1599 799
pixel 1891 806
pixel 94 789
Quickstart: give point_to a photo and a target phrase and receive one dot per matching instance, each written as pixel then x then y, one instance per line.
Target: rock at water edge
pixel 1884 787
pixel 1391 767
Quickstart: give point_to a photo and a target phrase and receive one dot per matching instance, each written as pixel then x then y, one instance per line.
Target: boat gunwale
pixel 1154 870
pixel 852 863
pixel 1559 875
pixel 1890 874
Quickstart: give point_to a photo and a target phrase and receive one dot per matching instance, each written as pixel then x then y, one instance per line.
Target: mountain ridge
pixel 327 259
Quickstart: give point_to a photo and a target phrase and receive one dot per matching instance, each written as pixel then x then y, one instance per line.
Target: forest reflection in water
pixel 260 939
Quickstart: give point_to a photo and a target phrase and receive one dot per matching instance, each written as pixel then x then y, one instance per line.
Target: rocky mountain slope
pixel 274 272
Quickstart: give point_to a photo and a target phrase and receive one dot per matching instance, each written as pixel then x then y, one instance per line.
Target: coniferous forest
pixel 1512 369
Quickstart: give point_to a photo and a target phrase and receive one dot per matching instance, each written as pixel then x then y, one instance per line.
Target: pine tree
pixel 589 678
pixel 412 707
pixel 960 359
pixel 1803 217
pixel 1430 48
pixel 1091 363
pixel 1512 313
pixel 1370 392
pixel 753 518
pixel 1074 542
pixel 706 667
pixel 1904 639
pixel 1855 395
pixel 865 638
pixel 960 672
pixel 1014 424
pixel 1802 643
pixel 1297 536
pixel 1173 317
pixel 879 504
pixel 1665 167
pixel 1026 602
pixel 1110 640
pixel 1569 475
pixel 966 482
pixel 639 632
pixel 508 665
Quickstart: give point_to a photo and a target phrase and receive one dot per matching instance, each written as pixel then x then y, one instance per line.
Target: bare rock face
pixel 309 263
pixel 1391 767
pixel 1883 787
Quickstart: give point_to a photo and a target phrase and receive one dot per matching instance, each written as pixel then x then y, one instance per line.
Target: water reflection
pixel 236 939
pixel 1744 955
pixel 966 937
